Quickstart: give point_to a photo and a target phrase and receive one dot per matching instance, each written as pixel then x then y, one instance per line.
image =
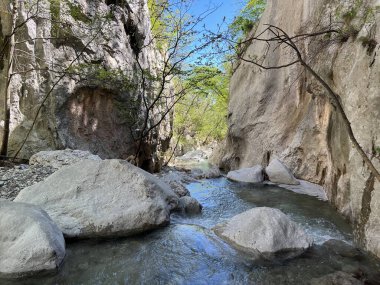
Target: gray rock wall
pixel 94 108
pixel 281 113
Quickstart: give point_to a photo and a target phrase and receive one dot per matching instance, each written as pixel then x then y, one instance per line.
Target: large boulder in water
pixel 248 175
pixel 30 242
pixel 265 233
pixel 105 198
pixel 279 173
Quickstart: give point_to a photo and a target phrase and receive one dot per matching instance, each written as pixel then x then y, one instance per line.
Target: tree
pixel 179 37
pixel 8 44
pixel 159 87
pixel 203 111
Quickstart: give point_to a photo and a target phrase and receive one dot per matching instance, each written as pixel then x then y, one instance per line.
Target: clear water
pixel 188 252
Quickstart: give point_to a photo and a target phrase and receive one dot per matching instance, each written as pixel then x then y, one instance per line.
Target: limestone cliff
pixel 284 112
pixel 99 105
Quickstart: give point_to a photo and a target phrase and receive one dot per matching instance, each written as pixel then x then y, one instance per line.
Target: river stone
pixel 208 172
pixel 279 173
pixel 30 242
pixel 249 175
pixel 175 180
pixel 190 205
pixel 105 198
pixel 265 233
pixel 195 155
pixel 60 158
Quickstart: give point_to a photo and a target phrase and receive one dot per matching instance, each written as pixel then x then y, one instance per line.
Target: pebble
pixel 14 179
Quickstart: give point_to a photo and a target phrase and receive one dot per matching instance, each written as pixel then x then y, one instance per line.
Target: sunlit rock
pixel 30 242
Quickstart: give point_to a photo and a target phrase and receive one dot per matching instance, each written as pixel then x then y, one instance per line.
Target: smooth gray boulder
pixel 190 205
pixel 175 180
pixel 30 242
pixel 208 172
pixel 196 155
pixel 279 173
pixel 105 198
pixel 60 158
pixel 248 175
pixel 265 233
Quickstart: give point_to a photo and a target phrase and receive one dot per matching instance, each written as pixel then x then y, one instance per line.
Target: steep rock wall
pixel 99 107
pixel 284 112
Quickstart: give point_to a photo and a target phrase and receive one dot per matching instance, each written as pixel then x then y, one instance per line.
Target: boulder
pixel 208 172
pixel 195 155
pixel 60 158
pixel 279 173
pixel 248 175
pixel 190 205
pixel 265 233
pixel 175 179
pixel 30 242
pixel 103 198
pixel 336 278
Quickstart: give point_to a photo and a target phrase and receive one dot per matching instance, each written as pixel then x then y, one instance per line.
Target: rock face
pixel 279 173
pixel 30 242
pixel 103 199
pixel 266 233
pixel 284 113
pixel 98 106
pixel 249 175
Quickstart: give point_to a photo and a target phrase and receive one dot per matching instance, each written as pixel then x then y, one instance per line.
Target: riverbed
pixel 188 252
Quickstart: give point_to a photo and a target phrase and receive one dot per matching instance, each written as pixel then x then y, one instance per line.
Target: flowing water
pixel 188 252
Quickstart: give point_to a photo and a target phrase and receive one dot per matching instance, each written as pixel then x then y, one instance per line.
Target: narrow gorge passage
pixel 189 142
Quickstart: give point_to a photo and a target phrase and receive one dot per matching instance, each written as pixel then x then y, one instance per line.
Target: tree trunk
pixel 10 41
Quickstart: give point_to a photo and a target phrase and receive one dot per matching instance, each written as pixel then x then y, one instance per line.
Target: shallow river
pixel 188 252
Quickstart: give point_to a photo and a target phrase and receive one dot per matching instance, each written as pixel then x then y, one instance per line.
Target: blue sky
pixel 228 9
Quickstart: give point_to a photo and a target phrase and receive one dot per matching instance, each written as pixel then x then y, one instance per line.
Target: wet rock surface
pixel 266 233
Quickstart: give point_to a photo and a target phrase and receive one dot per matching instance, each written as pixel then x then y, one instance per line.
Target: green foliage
pixel 202 113
pixel 55 11
pixel 77 14
pixel 248 18
pixel 377 150
pixel 350 15
pixel 157 19
pixel 95 75
pixel 60 29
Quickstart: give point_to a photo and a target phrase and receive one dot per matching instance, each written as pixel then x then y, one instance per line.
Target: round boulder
pixel 248 175
pixel 266 233
pixel 30 242
pixel 60 158
pixel 190 205
pixel 279 173
pixel 103 198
